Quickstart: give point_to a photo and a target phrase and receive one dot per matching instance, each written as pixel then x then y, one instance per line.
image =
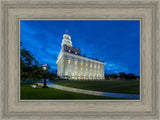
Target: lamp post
pixel 45 75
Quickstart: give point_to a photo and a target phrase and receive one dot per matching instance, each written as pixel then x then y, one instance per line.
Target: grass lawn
pixel 118 86
pixel 29 93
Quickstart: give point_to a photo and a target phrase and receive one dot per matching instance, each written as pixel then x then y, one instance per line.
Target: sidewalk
pixel 91 92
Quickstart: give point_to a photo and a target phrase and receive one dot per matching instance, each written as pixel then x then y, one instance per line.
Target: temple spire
pixel 66 39
pixel 66 31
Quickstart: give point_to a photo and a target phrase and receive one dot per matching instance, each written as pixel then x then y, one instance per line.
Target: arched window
pixel 75 73
pixel 69 62
pixel 90 66
pixel 98 67
pixel 75 62
pixel 81 74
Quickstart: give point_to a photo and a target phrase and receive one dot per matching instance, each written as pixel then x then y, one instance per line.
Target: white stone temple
pixel 72 65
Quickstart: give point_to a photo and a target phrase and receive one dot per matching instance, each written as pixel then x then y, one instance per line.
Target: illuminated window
pixel 75 62
pixel 75 73
pixel 98 67
pixel 86 74
pixel 81 74
pixel 75 52
pixel 76 68
pixel 86 65
pixel 69 62
pixel 81 68
pixel 86 69
pixel 94 66
pixel 81 64
pixel 90 66
pixel 69 50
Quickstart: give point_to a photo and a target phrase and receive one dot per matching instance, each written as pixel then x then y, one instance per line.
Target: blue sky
pixel 116 42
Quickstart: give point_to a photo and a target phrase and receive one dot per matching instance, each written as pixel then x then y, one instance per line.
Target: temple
pixel 72 65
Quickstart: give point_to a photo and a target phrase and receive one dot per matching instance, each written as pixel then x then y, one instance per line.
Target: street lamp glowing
pixel 45 74
pixel 44 67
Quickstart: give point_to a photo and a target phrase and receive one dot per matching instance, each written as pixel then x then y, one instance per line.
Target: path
pixel 91 92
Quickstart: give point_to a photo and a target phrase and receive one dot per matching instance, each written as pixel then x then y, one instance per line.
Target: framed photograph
pixel 80 59
pixel 79 73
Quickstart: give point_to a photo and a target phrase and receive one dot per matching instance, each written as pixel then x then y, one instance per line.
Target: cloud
pixel 115 68
pixel 116 42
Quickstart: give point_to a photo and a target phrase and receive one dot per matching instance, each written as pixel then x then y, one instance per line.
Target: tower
pixel 72 65
pixel 66 40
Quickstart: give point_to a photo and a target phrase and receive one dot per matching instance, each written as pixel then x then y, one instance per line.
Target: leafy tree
pixel 31 70
pixel 122 75
pixel 51 75
pixel 131 76
pixel 29 66
pixel 113 76
pixel 106 76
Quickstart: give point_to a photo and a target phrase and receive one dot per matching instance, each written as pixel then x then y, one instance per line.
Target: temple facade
pixel 72 65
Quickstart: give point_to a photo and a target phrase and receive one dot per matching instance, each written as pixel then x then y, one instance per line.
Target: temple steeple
pixel 66 39
pixel 66 31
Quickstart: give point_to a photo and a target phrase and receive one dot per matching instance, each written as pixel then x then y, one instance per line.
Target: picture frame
pixel 145 108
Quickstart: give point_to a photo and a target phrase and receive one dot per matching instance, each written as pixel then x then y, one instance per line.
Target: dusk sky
pixel 116 42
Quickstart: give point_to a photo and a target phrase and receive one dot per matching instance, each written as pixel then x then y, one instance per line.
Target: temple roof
pixel 67 47
pixel 76 51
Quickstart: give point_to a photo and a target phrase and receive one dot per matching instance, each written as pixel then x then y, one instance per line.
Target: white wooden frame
pixel 145 108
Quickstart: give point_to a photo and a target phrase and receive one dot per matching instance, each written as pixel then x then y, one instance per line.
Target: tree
pixel 122 75
pixel 31 70
pixel 51 75
pixel 113 76
pixel 29 66
pixel 27 57
pixel 106 76
pixel 131 76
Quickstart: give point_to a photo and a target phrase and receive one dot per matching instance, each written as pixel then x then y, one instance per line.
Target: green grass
pixel 117 86
pixel 29 93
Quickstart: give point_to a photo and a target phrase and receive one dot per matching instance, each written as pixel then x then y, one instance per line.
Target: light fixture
pixel 45 67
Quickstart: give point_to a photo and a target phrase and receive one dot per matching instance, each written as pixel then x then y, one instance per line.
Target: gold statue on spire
pixel 66 31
